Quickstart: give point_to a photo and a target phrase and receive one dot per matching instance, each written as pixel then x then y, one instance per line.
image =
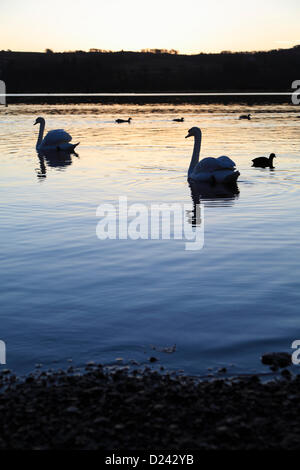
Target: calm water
pixel 66 294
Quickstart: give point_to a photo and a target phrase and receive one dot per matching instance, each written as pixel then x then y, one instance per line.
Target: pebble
pixel 105 410
pixel 72 409
pixel 153 359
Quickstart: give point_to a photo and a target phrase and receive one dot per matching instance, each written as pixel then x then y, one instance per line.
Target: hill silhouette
pixel 148 71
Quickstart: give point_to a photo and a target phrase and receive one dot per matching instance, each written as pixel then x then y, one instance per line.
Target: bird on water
pixel 264 162
pixel 211 170
pixel 119 121
pixel 57 140
pixel 245 116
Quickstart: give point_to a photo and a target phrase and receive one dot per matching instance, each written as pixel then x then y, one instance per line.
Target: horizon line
pixel 94 50
pixel 271 93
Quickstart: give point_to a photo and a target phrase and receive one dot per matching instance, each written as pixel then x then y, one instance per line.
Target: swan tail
pixel 231 179
pixel 66 147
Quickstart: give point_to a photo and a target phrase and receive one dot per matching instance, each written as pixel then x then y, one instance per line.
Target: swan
pixel 264 162
pixel 213 170
pixel 119 121
pixel 179 119
pixel 57 139
pixel 245 116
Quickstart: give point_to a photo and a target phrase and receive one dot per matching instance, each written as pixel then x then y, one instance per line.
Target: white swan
pixel 214 170
pixel 57 139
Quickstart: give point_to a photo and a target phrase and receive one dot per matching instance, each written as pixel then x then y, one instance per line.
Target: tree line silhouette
pixel 151 70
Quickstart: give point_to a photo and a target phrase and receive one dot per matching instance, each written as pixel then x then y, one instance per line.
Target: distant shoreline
pixel 149 72
pixel 143 99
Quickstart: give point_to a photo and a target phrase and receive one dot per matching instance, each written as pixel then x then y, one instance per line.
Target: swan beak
pixel 35 123
pixel 187 136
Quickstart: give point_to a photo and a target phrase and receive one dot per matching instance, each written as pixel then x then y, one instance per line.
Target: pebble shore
pixel 147 410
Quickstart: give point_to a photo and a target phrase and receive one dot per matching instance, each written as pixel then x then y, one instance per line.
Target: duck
pixel 119 121
pixel 178 119
pixel 212 170
pixel 245 116
pixel 264 162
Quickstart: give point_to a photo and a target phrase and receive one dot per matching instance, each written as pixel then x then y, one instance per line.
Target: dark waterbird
pixel 245 116
pixel 119 121
pixel 58 139
pixel 215 170
pixel 178 119
pixel 264 162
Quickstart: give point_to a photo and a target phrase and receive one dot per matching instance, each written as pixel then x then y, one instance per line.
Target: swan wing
pixel 226 162
pixel 226 175
pixel 56 137
pixel 208 164
pixel 202 176
pixel 219 176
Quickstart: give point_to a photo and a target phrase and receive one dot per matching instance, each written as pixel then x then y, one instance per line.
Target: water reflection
pixel 149 291
pixel 213 194
pixel 53 159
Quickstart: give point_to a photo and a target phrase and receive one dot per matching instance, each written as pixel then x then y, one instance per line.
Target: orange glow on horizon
pixel 197 26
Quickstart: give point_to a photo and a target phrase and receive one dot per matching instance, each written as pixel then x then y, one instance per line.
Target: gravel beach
pixel 146 410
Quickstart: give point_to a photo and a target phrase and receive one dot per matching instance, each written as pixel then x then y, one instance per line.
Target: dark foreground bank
pixel 147 411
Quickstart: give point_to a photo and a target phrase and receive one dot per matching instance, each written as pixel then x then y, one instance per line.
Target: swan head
pixel 272 155
pixel 193 132
pixel 39 120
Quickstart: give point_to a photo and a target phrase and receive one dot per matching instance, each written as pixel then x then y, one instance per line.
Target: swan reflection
pixel 53 159
pixel 213 194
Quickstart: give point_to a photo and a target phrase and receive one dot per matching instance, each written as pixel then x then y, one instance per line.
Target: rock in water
pixel 277 359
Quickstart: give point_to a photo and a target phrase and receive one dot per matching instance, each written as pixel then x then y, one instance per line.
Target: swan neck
pixel 196 152
pixel 41 133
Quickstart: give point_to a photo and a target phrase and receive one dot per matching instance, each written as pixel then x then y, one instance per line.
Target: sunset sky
pixel 189 26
